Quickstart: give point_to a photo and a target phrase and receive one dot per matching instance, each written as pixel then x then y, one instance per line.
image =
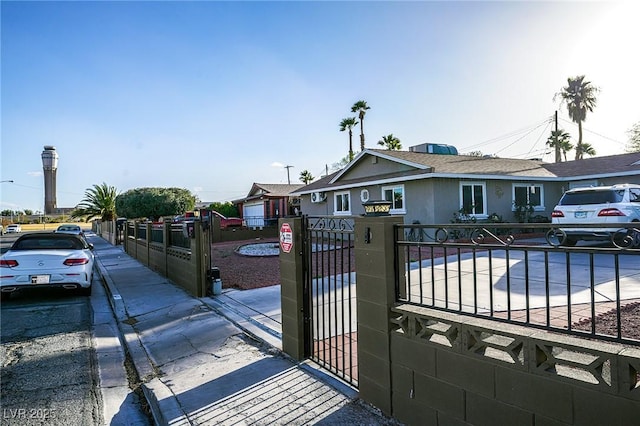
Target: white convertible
pixel 47 260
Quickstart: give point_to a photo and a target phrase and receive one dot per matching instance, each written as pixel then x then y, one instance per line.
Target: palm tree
pixel 390 142
pixel 306 177
pixel 99 201
pixel 565 146
pixel 557 139
pixel 588 149
pixel 580 97
pixel 349 124
pixel 361 108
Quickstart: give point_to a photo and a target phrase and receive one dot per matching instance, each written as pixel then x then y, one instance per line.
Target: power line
pixel 524 136
pixel 591 131
pixel 511 134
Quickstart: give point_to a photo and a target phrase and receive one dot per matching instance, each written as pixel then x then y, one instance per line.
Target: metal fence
pixel 524 274
pixel 330 298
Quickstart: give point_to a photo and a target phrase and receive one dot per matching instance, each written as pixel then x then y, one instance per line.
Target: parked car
pixel 47 259
pixel 14 228
pixel 597 205
pixel 228 222
pixel 69 229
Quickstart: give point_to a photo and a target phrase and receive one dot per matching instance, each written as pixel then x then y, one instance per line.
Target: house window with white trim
pixel 473 199
pixel 342 203
pixel 395 194
pixel 528 195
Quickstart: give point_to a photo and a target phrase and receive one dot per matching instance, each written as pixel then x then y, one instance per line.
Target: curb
pixel 154 389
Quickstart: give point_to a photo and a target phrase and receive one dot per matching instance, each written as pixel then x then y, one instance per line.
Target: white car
pixel 597 205
pixel 13 228
pixel 69 229
pixel 47 259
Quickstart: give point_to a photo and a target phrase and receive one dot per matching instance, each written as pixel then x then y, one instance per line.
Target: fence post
pixel 166 242
pixel 291 292
pixel 375 289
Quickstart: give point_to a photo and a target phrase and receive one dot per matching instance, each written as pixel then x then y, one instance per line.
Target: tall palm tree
pixel 99 201
pixel 349 124
pixel 361 108
pixel 390 142
pixel 579 96
pixel 306 177
pixel 557 139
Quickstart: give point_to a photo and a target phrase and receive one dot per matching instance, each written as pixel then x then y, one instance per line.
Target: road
pixel 62 362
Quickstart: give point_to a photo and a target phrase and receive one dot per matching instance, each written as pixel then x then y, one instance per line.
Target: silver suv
pixel 597 205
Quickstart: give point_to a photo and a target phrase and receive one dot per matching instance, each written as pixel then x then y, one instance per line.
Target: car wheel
pixel 84 291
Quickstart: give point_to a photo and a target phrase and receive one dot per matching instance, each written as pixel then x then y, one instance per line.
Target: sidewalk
pixel 218 360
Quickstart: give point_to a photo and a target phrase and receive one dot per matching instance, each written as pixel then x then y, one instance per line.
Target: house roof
pixel 426 166
pixel 270 190
pixel 619 165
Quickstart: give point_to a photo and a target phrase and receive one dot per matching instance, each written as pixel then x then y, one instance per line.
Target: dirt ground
pixel 246 272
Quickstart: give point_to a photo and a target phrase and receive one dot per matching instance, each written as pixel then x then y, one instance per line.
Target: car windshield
pixel 69 228
pixel 48 243
pixel 592 197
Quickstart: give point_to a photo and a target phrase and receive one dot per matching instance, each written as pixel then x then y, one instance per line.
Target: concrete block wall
pixel 452 369
pixel 429 367
pixel 425 366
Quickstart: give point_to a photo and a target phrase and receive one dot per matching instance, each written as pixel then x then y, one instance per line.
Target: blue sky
pixel 213 96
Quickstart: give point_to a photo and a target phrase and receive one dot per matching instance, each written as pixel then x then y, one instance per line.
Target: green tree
pixel 99 201
pixel 633 145
pixel 6 212
pixel 580 97
pixel 348 124
pixel 154 202
pixel 340 164
pixel 306 177
pixel 557 140
pixel 361 108
pixel 390 142
pixel 28 212
pixel 227 208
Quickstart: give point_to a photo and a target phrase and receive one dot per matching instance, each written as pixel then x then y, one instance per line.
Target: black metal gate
pixel 331 337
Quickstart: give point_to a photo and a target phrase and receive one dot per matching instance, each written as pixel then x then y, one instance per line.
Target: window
pixel 395 194
pixel 342 203
pixel 528 195
pixel 473 199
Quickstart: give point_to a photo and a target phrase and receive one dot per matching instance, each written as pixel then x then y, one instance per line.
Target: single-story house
pixel 432 188
pixel 266 202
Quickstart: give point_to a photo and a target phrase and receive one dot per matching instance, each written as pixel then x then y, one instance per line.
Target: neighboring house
pixel 431 188
pixel 266 202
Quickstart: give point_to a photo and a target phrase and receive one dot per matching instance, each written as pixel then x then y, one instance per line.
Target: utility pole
pixel 288 179
pixel 557 144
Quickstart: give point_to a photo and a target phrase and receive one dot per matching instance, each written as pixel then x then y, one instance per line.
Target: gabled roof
pixel 425 166
pixel 270 190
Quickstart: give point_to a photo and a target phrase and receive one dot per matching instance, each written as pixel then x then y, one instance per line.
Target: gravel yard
pixel 245 272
